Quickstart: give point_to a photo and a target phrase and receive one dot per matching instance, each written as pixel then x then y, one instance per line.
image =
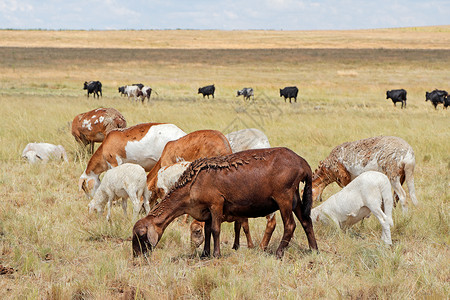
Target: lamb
pixel 367 193
pixel 35 152
pixel 124 181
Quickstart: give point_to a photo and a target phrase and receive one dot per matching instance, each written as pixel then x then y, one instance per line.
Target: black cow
pixel 397 96
pixel 289 92
pixel 207 90
pixel 436 97
pixel 246 92
pixel 93 87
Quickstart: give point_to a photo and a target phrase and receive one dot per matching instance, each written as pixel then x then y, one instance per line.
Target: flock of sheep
pixel 367 170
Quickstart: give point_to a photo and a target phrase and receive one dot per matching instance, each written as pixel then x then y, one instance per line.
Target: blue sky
pixel 221 14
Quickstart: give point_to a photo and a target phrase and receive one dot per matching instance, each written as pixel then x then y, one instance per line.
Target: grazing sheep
pixel 124 181
pixel 247 184
pixel 367 193
pixel 35 152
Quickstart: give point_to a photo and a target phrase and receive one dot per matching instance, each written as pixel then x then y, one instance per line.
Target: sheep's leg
pixel 285 204
pixel 246 228
pixel 207 245
pixel 306 223
pixel 136 204
pixel 124 205
pixel 216 216
pixel 382 218
pixel 270 227
pixel 146 200
pixel 409 177
pixel 400 193
pixel 109 204
pixel 237 233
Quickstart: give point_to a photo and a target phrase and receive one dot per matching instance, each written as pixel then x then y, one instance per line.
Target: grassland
pixel 58 251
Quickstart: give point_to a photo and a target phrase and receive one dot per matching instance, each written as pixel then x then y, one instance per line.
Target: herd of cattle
pixel 137 90
pixel 218 178
pixel 435 97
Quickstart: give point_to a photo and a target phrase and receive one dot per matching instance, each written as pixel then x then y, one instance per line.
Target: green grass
pixel 59 251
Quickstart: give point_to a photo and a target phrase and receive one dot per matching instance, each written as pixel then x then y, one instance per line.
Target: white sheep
pixel 249 138
pixel 43 152
pixel 366 194
pixel 124 181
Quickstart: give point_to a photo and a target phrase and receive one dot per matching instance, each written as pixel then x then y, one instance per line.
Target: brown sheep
pixel 247 184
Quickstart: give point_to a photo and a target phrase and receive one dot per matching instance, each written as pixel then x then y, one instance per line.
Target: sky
pixel 221 14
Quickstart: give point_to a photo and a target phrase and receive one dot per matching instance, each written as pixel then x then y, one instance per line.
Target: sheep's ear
pixel 83 186
pixel 152 235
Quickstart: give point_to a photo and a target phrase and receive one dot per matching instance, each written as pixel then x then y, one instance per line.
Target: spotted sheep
pixel 389 155
pixel 92 127
pixel 368 193
pixel 141 144
pixel 124 181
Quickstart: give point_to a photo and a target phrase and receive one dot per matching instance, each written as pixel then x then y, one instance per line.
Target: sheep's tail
pixel 388 202
pixel 307 199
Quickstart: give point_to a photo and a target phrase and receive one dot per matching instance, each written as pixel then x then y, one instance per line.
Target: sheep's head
pixel 92 206
pixel 88 184
pixel 145 237
pixel 197 236
pixel 32 157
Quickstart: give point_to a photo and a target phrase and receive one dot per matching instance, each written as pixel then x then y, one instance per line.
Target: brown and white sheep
pixel 92 127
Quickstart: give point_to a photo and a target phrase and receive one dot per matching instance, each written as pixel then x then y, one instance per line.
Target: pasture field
pixel 58 251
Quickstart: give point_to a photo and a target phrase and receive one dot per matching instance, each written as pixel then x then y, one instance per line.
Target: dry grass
pixel 58 251
pixel 436 37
